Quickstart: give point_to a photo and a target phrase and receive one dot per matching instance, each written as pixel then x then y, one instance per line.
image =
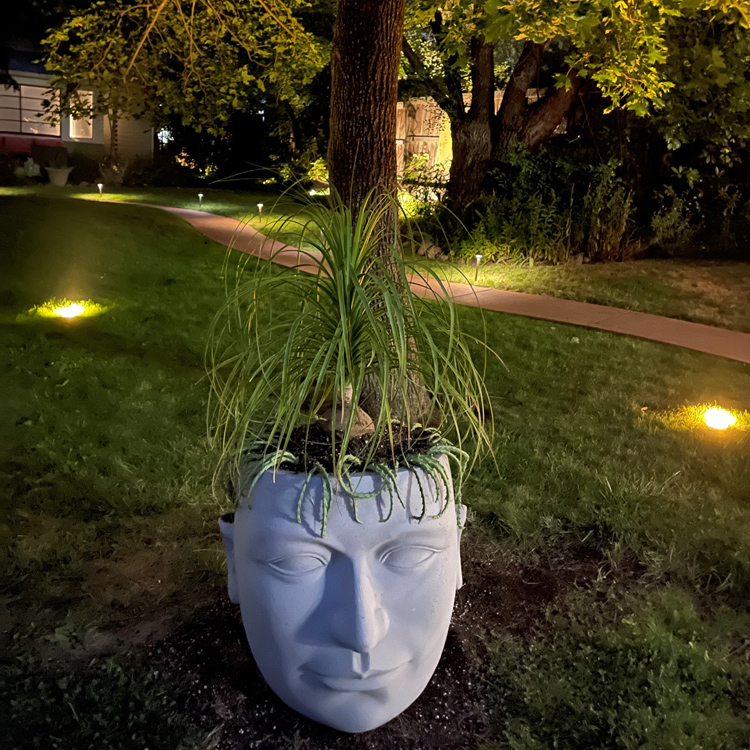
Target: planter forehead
pixel 346 628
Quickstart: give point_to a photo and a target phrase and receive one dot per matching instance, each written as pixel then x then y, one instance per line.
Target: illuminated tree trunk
pixel 522 124
pixel 471 130
pixel 364 92
pixel 362 146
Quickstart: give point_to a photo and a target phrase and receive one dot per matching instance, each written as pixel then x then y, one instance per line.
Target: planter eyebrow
pixel 346 628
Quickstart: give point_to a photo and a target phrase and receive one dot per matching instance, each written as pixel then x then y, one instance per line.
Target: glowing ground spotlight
pixel 705 420
pixel 72 310
pixel 718 418
pixel 64 309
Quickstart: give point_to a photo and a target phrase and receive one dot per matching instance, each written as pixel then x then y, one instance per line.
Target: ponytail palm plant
pixel 293 351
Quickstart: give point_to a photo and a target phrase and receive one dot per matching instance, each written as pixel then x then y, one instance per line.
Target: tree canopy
pixel 194 58
pixel 630 52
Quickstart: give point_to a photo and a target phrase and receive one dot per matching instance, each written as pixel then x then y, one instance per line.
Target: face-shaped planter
pixel 346 628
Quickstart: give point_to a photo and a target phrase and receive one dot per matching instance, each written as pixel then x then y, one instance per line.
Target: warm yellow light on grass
pixel 705 419
pixel 66 309
pixel 718 418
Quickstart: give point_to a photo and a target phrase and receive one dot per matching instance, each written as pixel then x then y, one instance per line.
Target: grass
pixel 66 707
pixel 581 451
pixel 236 204
pixel 640 671
pixel 108 522
pixel 710 292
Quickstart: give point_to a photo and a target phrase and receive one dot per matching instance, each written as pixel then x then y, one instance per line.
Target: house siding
pixel 135 139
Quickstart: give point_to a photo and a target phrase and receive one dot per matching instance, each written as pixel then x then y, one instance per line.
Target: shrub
pixel 318 172
pixel 607 207
pixel 85 168
pixel 159 172
pixel 542 208
pixel 673 224
pixel 424 183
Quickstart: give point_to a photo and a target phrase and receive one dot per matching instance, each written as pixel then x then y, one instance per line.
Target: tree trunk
pixel 507 131
pixel 364 91
pixel 519 123
pixel 471 131
pixel 114 137
pixel 544 116
pixel 365 58
pixel 295 141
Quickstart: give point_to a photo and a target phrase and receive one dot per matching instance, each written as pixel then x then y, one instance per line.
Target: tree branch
pixel 545 115
pixel 451 73
pixel 144 37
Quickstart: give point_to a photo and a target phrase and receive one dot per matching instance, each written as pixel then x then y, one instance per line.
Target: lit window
pixel 83 128
pixel 22 111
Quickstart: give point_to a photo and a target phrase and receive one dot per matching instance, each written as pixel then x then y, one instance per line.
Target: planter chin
pixel 346 603
pixel 58 176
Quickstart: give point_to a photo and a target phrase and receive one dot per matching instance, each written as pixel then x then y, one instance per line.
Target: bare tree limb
pixel 144 37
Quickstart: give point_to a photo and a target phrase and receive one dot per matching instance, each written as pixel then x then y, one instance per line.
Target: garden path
pixel 709 339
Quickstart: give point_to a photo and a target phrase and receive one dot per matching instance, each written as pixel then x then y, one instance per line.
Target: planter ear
pixel 461 518
pixel 226 526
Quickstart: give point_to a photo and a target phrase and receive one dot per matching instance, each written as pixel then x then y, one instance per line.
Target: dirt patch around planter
pixel 226 695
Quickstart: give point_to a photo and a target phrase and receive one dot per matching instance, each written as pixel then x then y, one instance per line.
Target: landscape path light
pixel 200 200
pixel 260 210
pixel 718 418
pixel 100 185
pixel 479 257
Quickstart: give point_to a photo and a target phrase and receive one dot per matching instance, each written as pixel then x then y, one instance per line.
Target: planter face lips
pixel 347 629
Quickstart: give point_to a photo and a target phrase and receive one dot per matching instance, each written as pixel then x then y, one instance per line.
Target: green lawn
pixel 710 292
pixel 238 204
pixel 607 558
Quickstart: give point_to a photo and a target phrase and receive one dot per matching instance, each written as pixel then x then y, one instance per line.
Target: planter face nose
pixel 347 628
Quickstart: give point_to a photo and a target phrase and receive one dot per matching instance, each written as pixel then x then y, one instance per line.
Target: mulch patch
pixel 226 695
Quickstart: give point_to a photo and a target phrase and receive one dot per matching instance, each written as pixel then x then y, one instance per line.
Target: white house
pixel 22 125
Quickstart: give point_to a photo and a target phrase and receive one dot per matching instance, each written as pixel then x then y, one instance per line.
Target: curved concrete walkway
pixel 718 341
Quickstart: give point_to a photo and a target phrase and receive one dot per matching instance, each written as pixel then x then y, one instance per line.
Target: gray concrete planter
pixel 58 176
pixel 346 628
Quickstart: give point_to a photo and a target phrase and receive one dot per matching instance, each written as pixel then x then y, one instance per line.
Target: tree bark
pixel 471 131
pixel 295 141
pixel 507 131
pixel 519 123
pixel 365 58
pixel 544 116
pixel 114 136
pixel 364 91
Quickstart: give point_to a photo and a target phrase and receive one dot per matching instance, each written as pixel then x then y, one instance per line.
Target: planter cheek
pixel 348 628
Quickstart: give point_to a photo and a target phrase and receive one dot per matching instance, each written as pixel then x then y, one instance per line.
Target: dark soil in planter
pixel 315 446
pixel 225 693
